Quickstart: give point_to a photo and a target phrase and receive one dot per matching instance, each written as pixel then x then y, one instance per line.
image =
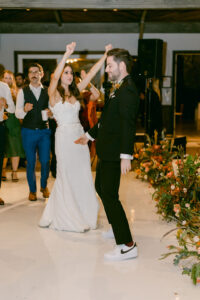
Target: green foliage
pixel 176 180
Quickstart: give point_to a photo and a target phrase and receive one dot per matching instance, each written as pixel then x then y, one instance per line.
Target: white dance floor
pixel 42 264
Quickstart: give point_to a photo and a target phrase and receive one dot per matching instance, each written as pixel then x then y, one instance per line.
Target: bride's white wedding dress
pixel 72 205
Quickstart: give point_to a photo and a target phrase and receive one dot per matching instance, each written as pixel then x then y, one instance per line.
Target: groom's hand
pixel 125 165
pixel 82 140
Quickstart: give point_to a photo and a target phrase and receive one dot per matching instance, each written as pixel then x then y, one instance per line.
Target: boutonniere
pixel 115 87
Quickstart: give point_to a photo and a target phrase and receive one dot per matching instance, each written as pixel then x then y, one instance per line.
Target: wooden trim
pixel 99 28
pixel 101 4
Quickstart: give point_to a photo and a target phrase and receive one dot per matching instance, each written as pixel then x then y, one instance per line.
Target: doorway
pixel 186 92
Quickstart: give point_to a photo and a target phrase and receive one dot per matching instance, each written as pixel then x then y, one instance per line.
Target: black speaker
pixel 150 57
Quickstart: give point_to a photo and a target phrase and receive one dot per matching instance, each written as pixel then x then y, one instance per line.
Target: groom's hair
pixel 122 55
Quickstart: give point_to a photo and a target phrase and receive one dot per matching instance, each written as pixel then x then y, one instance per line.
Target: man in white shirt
pixel 32 100
pixel 6 103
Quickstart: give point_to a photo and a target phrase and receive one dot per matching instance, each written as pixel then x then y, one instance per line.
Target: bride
pixel 72 205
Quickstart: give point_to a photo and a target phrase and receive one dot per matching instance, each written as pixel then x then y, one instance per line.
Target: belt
pixel 34 128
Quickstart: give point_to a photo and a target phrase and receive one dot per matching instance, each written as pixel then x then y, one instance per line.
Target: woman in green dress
pixel 13 147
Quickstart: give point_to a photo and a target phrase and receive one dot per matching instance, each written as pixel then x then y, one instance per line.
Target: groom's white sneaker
pixel 122 252
pixel 108 234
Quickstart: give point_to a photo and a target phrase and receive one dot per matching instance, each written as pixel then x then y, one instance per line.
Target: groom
pixel 114 136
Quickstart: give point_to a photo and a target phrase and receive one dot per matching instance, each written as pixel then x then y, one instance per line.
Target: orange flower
pixel 177 208
pixel 138 171
pixel 165 167
pixel 198 280
pixel 146 164
pixel 170 174
pixel 117 85
pixel 136 155
pixel 156 147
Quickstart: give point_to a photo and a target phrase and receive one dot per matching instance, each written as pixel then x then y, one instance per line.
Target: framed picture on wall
pixel 49 60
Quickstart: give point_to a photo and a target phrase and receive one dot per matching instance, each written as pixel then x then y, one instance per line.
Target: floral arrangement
pixel 179 188
pixel 154 163
pixel 188 237
pixel 176 180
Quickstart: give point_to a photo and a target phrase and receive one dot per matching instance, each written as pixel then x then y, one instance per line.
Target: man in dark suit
pixel 114 136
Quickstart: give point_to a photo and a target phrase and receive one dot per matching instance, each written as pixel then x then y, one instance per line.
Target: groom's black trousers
pixel 107 186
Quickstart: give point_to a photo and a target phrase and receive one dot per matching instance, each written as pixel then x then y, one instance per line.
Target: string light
pixel 73 60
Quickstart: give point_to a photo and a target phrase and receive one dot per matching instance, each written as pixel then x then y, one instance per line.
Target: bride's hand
pixel 108 47
pixel 82 140
pixel 70 48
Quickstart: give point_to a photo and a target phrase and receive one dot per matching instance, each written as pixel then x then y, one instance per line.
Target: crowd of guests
pixel 73 205
pixel 18 96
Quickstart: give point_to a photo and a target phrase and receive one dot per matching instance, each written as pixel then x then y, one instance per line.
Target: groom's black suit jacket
pixel 115 131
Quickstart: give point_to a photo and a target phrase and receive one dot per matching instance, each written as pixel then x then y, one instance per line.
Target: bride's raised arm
pixel 82 85
pixel 58 71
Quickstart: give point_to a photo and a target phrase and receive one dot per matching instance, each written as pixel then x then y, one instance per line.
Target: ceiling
pixel 11 20
pixel 96 16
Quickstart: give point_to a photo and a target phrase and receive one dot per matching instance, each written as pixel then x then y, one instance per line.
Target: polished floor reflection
pixel 42 264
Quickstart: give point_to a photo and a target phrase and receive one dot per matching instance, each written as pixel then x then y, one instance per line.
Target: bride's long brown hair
pixel 73 89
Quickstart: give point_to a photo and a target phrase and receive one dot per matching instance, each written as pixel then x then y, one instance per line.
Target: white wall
pixel 56 42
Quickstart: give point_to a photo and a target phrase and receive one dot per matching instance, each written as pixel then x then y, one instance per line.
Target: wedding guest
pixel 52 126
pixel 20 80
pixel 53 163
pixel 6 104
pixel 91 95
pixel 32 102
pixel 13 144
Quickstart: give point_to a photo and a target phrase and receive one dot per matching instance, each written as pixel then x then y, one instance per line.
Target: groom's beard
pixel 114 76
